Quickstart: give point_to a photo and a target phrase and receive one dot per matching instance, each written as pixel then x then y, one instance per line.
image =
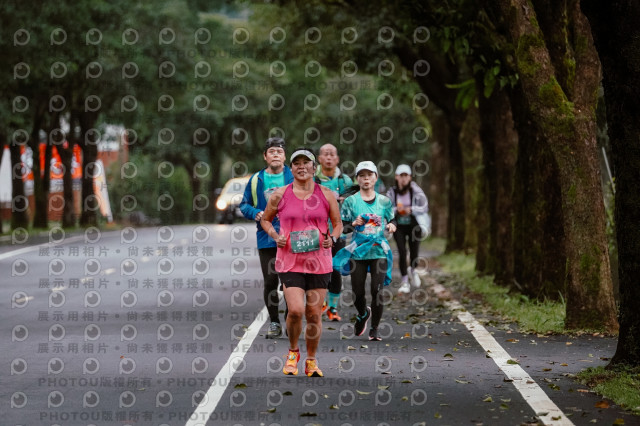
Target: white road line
pixel 35 248
pixel 210 401
pixel 546 410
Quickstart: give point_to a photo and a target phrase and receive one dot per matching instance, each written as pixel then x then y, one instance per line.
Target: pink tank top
pixel 310 216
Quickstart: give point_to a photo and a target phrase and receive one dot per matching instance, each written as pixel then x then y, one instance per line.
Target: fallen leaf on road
pixel 602 404
pixel 363 392
pixel 334 407
pixel 462 381
pixel 308 414
pixel 583 390
pixel 351 348
pixel 287 393
pixel 547 369
pixel 271 410
pixel 240 386
pixel 618 422
pixel 511 361
pixel 383 387
pixel 448 355
pixel 564 364
pixel 488 399
pixel 569 343
pixel 406 381
pixel 437 415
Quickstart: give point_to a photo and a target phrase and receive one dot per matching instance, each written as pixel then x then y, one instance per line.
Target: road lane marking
pixel 36 248
pixel 544 408
pixel 210 401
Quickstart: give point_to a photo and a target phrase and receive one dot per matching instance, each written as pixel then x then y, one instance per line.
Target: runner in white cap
pixel 411 207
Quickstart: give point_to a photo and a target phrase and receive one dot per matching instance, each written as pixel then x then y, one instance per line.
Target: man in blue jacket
pixel 254 201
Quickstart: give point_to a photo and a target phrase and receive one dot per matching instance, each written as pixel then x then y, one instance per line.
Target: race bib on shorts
pixel 305 241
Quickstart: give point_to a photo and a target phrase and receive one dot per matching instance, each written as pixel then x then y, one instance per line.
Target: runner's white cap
pixel 302 153
pixel 403 168
pixel 366 165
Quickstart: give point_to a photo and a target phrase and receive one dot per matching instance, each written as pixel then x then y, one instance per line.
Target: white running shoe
pixel 415 278
pixel 404 288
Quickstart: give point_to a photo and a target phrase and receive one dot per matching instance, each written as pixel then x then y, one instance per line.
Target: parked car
pixel 228 202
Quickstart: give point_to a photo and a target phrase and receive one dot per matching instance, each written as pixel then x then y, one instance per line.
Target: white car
pixel 228 201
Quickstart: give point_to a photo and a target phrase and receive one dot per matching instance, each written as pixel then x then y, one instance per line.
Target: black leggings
pixel 267 263
pixel 335 285
pixel 402 234
pixel 378 270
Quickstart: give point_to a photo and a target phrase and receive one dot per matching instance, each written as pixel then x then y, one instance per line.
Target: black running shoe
pixel 361 322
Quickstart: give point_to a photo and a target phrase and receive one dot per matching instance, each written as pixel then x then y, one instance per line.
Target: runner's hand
pixel 327 242
pixel 281 241
pixel 391 228
pixel 259 216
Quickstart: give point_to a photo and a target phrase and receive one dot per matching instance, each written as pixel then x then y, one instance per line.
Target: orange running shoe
pixel 325 306
pixel 291 366
pixel 311 368
pixel 332 314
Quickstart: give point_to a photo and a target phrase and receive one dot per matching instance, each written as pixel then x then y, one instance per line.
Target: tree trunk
pixel 538 233
pixel 472 175
pixel 437 183
pixel 616 34
pixel 456 213
pixel 89 215
pixel 499 148
pixel 19 201
pixel 66 156
pixel 569 132
pixel 39 194
pixel 433 85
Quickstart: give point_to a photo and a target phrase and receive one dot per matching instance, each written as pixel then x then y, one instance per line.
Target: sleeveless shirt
pixel 303 215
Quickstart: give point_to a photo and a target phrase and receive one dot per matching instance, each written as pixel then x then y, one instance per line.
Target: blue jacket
pixel 250 207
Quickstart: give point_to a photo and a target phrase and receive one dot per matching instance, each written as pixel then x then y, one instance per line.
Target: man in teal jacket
pixel 330 175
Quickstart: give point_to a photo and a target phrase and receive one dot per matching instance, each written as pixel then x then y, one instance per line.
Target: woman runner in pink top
pixel 303 260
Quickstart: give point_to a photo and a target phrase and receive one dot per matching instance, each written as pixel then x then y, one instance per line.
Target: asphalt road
pixel 165 326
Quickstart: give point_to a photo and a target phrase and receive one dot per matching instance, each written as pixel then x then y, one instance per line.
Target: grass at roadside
pixel 531 315
pixel 618 384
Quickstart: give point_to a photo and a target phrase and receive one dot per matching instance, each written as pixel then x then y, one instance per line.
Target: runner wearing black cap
pixel 254 202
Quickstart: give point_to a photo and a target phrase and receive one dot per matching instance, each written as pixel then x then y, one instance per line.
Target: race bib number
pixel 404 220
pixel 305 241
